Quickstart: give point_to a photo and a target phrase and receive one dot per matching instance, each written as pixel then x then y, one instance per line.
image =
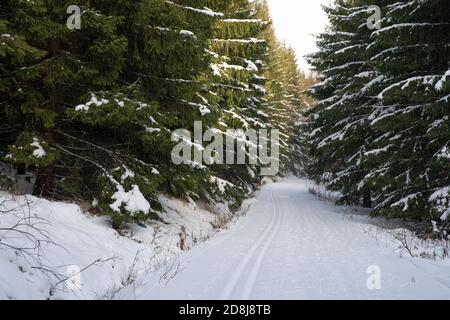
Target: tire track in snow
pixel 238 273
pixel 250 283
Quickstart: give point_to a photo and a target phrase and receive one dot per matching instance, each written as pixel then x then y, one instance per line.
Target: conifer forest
pixel 132 131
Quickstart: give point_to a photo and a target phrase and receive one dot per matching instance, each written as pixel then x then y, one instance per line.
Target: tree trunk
pixel 367 199
pixel 45 175
pixel 45 181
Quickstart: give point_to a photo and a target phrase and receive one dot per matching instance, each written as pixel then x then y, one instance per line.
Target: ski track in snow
pixel 263 243
pixel 291 245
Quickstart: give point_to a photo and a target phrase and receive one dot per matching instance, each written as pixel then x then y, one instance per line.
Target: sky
pixel 296 21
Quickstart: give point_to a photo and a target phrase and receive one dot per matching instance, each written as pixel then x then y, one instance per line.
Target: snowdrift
pixel 51 250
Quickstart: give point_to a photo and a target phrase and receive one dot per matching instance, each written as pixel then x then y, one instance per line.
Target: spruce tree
pixel 410 167
pixel 239 55
pixel 338 129
pixel 379 132
pixel 52 68
pixel 92 110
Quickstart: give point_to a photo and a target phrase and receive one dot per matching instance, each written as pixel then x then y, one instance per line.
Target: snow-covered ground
pixel 51 250
pixel 289 245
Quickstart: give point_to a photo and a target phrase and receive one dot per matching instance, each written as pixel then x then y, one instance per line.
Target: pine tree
pixel 51 69
pixel 380 129
pixel 411 166
pixel 163 88
pixel 120 75
pixel 93 110
pixel 239 55
pixel 287 102
pixel 339 128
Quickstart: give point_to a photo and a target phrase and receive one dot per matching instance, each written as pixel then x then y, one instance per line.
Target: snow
pixel 216 70
pixel 372 83
pixel 133 200
pixel 188 33
pixel 365 74
pixel 440 194
pixel 293 246
pixel 258 21
pixel 221 184
pixel 251 66
pixel 444 153
pixel 404 26
pixel 440 84
pixel 344 66
pixel 81 107
pixel 202 108
pixel 259 88
pixel 437 124
pixel 39 152
pixel 444 99
pixel 79 240
pixel 152 130
pixel 152 120
pixel 289 245
pixel 205 10
pixel 340 33
pixel 230 66
pixel 343 50
pixel 333 137
pixel 384 53
pixel 426 80
pixel 249 40
pixel 127 174
pixel 405 202
pixel 162 29
pixel 322 192
pixel 94 101
pixel 76 240
pixel 441 199
pixel 376 152
pixel 6 36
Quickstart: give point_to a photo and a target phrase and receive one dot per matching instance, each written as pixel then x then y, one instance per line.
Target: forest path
pixel 292 245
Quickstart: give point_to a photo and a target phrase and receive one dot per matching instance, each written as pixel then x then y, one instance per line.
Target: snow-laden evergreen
pixel 380 130
pixel 92 110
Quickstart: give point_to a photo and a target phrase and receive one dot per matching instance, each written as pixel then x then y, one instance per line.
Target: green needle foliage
pixel 379 132
pixel 92 110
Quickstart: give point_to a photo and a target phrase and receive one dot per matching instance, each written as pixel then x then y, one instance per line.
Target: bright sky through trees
pixel 296 21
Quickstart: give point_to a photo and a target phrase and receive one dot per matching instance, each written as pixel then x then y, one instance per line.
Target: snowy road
pixel 291 245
